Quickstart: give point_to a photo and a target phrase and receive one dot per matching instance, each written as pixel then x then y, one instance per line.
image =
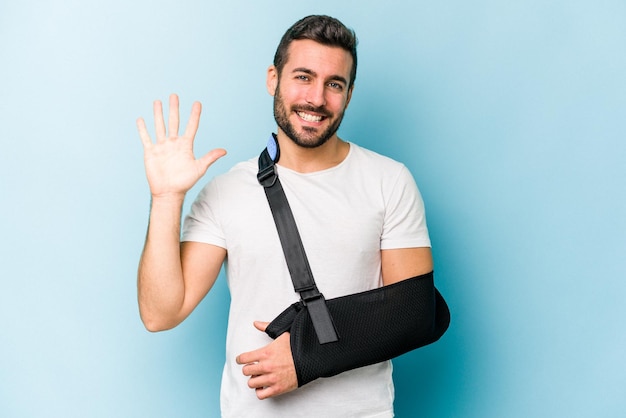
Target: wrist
pixel 168 199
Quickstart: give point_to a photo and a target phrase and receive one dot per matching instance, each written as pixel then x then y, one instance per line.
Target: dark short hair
pixel 325 30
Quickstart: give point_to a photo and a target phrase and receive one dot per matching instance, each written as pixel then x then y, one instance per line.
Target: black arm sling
pixel 330 337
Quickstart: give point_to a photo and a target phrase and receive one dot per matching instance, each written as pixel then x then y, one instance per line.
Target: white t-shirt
pixel 345 215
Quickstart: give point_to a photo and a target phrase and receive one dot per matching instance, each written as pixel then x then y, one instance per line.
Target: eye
pixel 335 85
pixel 302 77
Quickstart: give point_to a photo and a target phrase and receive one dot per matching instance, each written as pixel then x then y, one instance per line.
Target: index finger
pixel 248 358
pixel 194 120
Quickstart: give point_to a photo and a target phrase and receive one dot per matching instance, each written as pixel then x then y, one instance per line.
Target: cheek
pixel 287 99
pixel 337 104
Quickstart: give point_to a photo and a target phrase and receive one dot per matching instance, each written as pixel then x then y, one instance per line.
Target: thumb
pixel 210 157
pixel 260 325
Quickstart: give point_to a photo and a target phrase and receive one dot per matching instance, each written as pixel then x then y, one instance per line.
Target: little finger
pixel 143 132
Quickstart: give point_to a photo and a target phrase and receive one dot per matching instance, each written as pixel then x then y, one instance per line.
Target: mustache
pixel 321 110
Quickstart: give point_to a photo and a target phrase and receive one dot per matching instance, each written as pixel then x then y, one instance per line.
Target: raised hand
pixel 171 167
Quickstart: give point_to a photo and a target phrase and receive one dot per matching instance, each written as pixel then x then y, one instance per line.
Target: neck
pixel 309 160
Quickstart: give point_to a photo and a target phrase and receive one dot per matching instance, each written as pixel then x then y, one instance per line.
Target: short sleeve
pixel 201 224
pixel 405 219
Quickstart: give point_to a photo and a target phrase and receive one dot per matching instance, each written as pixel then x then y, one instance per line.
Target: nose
pixel 316 95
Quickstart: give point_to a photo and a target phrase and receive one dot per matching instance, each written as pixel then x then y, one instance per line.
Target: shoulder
pixel 373 163
pixel 366 155
pixel 232 184
pixel 241 171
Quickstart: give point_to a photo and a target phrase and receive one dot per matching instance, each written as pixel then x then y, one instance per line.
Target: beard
pixel 310 137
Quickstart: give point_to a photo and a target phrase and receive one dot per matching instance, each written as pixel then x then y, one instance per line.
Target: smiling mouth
pixel 310 118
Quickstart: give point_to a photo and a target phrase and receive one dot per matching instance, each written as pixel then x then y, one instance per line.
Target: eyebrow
pixel 314 74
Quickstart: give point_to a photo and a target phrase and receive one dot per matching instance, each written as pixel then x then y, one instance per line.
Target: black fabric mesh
pixel 374 326
pixel 282 323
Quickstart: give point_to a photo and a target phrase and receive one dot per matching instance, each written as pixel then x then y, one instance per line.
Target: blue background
pixel 510 115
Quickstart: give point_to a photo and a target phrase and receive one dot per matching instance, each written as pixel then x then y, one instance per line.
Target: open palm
pixel 171 167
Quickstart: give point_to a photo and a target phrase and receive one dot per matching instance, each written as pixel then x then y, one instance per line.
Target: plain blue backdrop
pixel 511 116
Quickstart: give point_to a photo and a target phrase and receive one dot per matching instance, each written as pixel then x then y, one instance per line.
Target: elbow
pixel 154 326
pixel 154 323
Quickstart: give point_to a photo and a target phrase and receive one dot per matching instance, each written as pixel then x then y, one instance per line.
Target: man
pixel 359 214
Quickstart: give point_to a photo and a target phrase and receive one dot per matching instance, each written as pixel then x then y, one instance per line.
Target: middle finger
pixel 173 116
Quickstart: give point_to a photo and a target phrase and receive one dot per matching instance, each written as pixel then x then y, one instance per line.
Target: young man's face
pixel 312 93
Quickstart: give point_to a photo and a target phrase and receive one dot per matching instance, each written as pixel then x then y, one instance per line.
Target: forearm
pixel 160 283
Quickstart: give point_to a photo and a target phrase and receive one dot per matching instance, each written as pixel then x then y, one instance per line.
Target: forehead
pixel 322 59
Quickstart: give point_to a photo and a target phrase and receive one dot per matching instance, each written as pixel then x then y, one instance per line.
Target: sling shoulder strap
pixel 297 262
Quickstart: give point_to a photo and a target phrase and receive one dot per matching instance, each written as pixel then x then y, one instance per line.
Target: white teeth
pixel 309 118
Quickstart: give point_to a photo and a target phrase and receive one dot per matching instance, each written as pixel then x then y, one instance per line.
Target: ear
pixel 272 80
